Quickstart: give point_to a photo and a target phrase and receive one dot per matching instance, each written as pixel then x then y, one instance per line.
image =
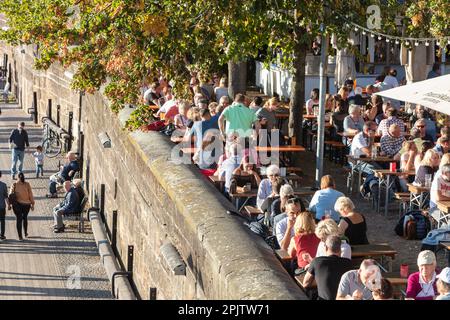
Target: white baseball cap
pixel 426 257
pixel 445 275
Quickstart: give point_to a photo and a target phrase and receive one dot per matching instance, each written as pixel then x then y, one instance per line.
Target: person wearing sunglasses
pixel 265 187
pixel 422 126
pixel 284 229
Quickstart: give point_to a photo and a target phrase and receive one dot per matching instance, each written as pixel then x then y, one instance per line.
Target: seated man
pixel 328 270
pixel 357 284
pixel 80 192
pixel 284 229
pixel 392 142
pixel 70 205
pixel 66 174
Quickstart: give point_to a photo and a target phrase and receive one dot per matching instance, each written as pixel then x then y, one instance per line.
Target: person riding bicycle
pixel 66 173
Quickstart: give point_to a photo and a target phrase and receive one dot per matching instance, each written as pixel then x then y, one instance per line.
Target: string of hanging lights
pixel 407 41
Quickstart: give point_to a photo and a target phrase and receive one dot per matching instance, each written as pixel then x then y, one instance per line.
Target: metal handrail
pixel 113 280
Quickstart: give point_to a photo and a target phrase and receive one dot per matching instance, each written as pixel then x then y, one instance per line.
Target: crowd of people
pixel 20 197
pixel 317 235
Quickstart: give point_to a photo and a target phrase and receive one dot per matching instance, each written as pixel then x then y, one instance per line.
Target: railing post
pixel 35 107
pixel 102 202
pixel 114 232
pixel 130 261
pixel 49 109
pixel 69 143
pixel 152 294
pixel 58 109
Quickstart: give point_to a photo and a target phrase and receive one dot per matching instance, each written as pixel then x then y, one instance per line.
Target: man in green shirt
pixel 239 119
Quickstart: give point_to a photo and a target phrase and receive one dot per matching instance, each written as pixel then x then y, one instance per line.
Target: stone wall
pixel 158 201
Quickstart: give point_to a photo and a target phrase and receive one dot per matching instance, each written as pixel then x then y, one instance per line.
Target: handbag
pixel 12 198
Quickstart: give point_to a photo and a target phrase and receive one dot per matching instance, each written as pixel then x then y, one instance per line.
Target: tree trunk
pixel 297 94
pixel 237 82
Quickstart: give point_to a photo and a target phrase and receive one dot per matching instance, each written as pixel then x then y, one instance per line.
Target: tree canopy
pixel 124 43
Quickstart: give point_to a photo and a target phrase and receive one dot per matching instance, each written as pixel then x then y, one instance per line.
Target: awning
pixel 433 93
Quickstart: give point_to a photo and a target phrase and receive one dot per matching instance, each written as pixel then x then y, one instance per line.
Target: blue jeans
pixel 17 155
pixel 39 168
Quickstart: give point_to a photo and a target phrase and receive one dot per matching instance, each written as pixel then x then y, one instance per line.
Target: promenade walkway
pixel 45 265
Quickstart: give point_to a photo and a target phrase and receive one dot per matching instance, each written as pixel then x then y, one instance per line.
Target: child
pixel 39 161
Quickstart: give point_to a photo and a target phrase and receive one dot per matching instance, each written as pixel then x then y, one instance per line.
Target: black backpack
pixel 423 225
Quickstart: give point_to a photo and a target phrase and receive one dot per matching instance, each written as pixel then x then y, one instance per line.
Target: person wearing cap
pixel 443 284
pixel 422 284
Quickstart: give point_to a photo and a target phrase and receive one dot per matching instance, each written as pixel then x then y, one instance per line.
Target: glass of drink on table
pixel 248 187
pixel 428 180
pixel 327 214
pixel 374 152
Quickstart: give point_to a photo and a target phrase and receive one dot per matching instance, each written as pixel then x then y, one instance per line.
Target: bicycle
pixel 51 142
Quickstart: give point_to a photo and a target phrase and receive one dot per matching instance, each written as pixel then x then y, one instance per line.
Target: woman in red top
pixel 305 242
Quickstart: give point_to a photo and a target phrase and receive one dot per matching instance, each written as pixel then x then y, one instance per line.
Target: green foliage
pixel 139 117
pixel 125 43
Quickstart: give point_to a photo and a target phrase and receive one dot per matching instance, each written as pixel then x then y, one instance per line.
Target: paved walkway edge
pixel 123 290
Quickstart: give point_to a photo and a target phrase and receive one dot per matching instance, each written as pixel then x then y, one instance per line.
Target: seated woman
pixel 409 149
pixel 337 119
pixel 243 176
pixel 265 187
pixel 422 284
pixel 326 228
pixel 352 225
pixel 323 201
pixel 246 170
pixel 428 166
pixel 305 242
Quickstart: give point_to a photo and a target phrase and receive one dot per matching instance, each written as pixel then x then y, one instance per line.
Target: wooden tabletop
pixel 252 193
pixel 417 189
pixel 283 255
pixel 444 206
pixel 445 245
pixel 281 149
pixel 216 179
pixel 384 172
pixel 372 250
pixel 253 211
pixel 395 279
pixel 370 159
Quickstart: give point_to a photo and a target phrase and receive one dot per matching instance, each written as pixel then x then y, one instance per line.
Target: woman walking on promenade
pixel 24 201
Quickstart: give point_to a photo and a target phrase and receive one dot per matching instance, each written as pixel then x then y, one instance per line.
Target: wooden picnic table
pixel 384 178
pixel 444 206
pixel 373 250
pixel 444 212
pixel 293 148
pixel 252 211
pixel 418 196
pixel 218 182
pixel 283 255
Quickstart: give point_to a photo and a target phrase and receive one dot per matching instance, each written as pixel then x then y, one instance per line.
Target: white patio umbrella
pixel 345 67
pixel 433 93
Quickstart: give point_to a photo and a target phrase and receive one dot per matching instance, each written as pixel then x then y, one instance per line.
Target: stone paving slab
pixel 46 265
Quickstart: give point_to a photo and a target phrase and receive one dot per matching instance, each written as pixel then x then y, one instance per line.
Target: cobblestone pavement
pixel 380 228
pixel 46 265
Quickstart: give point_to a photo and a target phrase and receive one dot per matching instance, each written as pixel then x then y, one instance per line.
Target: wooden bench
pixel 404 199
pixel 252 211
pixel 79 216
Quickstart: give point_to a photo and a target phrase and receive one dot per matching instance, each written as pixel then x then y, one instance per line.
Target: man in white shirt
pixel 362 142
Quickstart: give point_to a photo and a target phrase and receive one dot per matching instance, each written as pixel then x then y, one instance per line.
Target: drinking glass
pixel 374 152
pixel 428 180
